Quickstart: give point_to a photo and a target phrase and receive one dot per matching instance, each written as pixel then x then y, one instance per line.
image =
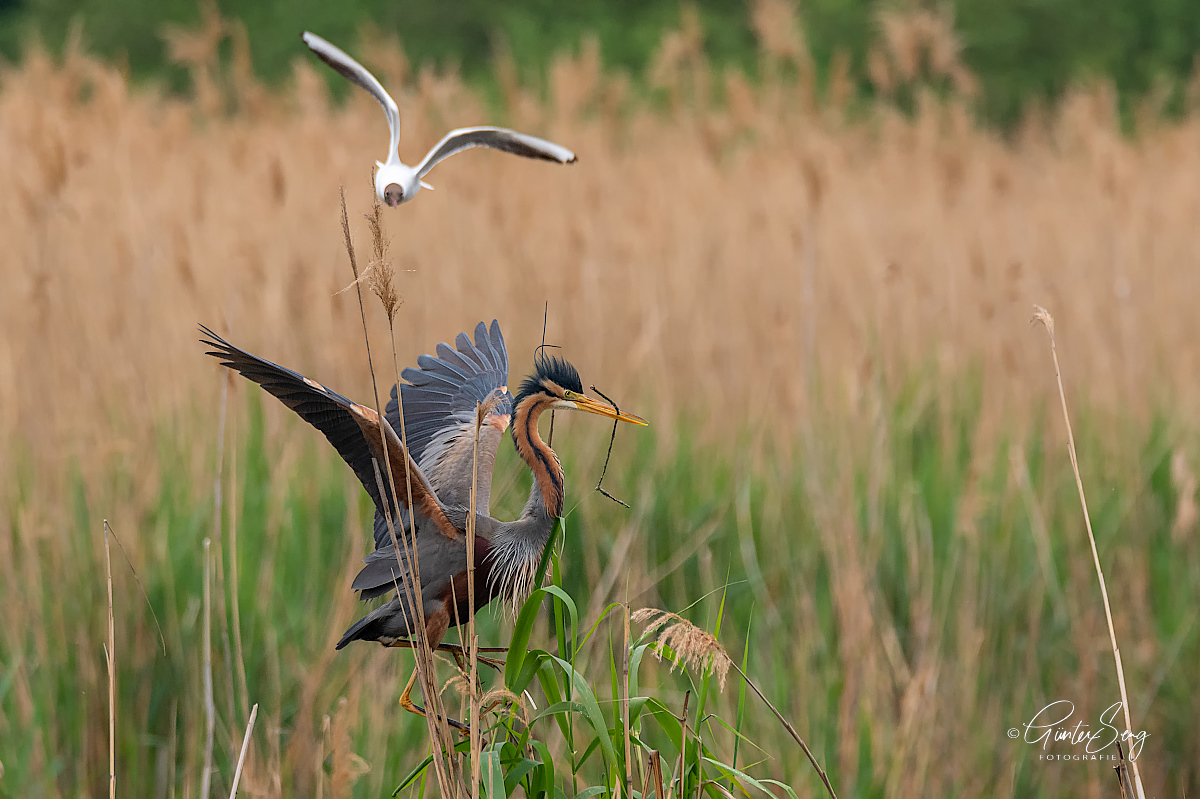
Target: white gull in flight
pixel 397 183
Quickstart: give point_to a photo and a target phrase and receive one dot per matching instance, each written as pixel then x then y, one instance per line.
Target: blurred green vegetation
pixel 966 562
pixel 1020 50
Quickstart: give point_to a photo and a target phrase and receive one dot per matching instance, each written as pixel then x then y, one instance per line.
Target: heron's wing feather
pixel 443 391
pixel 440 397
pixel 497 139
pixel 352 428
pixel 356 73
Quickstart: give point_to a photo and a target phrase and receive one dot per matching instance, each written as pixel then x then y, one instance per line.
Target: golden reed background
pixel 715 259
pixel 733 265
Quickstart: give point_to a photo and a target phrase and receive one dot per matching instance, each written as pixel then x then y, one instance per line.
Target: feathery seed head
pixel 693 647
pixel 380 274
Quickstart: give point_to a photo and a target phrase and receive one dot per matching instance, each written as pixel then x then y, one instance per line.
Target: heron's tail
pixel 358 631
pixel 386 624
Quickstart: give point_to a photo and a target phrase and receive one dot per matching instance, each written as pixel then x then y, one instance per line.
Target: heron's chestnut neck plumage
pixel 547 471
pixel 539 392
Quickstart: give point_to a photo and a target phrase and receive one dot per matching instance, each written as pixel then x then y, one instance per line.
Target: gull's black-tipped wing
pixel 353 429
pixel 504 139
pixel 356 73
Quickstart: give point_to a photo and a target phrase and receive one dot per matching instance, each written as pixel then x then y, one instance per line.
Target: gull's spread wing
pixel 497 139
pixel 356 73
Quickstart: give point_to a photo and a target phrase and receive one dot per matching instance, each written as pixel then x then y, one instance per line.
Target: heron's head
pixel 393 195
pixel 555 385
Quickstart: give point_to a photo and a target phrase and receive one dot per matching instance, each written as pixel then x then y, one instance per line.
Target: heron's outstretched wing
pixel 353 429
pixel 497 139
pixel 443 391
pixel 440 399
pixel 356 73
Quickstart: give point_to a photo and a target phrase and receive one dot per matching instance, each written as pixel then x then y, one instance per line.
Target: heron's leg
pixel 459 654
pixel 412 707
pixel 436 624
pixel 406 697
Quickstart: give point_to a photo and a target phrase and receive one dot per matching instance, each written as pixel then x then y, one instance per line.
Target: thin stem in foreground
pixel 422 655
pixel 1040 314
pixel 473 642
pixel 210 707
pixel 790 730
pixel 237 775
pixel 109 654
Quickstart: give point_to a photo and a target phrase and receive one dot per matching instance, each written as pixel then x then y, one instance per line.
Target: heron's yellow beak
pixel 584 403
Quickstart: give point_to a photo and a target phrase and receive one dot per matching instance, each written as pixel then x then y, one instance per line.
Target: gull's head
pixel 393 195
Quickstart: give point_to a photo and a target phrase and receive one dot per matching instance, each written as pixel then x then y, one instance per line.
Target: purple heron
pixel 441 398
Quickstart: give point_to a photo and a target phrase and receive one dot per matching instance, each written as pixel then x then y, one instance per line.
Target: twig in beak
pixel 611 440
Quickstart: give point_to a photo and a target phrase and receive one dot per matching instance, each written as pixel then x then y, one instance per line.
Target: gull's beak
pixel 599 408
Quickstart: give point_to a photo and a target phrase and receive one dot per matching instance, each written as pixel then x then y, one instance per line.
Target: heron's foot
pixel 412 707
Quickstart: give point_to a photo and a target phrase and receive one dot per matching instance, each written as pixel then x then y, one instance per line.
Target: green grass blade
pixel 492 775
pixel 412 775
pixel 741 705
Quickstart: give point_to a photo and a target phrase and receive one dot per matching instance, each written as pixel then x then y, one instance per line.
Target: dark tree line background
pixel 1019 50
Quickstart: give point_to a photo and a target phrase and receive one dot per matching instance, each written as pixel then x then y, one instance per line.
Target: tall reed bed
pixel 821 307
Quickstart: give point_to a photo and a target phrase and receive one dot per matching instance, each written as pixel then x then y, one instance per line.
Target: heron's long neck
pixel 547 471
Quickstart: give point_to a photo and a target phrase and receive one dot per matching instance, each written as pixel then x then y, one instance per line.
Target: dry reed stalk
pixel 625 696
pixel 210 707
pixel 1040 314
pixel 321 757
pixel 683 733
pixel 233 572
pixel 655 775
pixel 439 730
pixel 790 730
pixel 473 651
pixel 427 677
pixel 381 281
pixel 109 654
pixel 237 774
